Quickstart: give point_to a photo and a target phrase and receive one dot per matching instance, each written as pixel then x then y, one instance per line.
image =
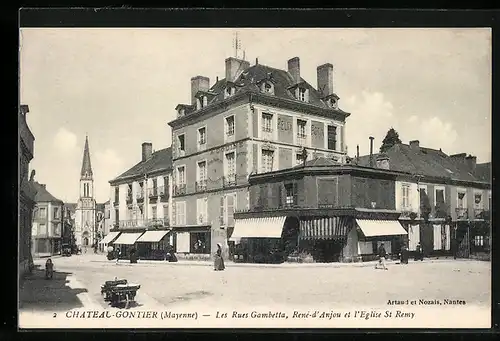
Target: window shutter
pixel 230 209
pixel 222 211
pixel 295 193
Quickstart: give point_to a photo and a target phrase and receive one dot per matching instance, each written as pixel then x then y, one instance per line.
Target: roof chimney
pixel 24 109
pixel 234 68
pixel 357 154
pixel 415 144
pixel 294 69
pixel 147 150
pixel 325 79
pixel 256 61
pixel 460 158
pixel 371 150
pixel 383 161
pixel 198 83
pixel 471 163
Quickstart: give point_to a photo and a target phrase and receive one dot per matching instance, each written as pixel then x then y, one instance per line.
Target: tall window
pixel 180 213
pixel 299 157
pixel 42 229
pixel 227 208
pixel 201 209
pixel 479 240
pixel 406 196
pixel 56 212
pixel 229 125
pixel 332 137
pixel 267 123
pixel 478 200
pixel 301 130
pixel 165 213
pixel 155 187
pixel 202 175
pixel 181 175
pixel 267 160
pixel 230 164
pixel 43 212
pixel 154 212
pixel 181 141
pixel 202 136
pixel 165 185
pixel 290 194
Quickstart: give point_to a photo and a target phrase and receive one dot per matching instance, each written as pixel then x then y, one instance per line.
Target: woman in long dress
pixel 219 261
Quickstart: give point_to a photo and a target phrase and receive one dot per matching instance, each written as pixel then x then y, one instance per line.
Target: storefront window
pixel 200 242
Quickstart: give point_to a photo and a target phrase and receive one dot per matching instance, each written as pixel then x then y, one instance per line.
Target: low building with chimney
pixel 47 223
pixel 445 204
pixel 258 119
pixel 140 208
pixel 328 211
pixel 27 191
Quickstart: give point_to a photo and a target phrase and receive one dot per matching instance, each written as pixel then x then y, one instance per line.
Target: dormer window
pixel 267 87
pixel 180 112
pixel 333 103
pixel 302 94
pixel 230 90
pixel 205 101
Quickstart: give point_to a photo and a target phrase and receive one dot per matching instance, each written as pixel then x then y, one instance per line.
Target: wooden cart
pixel 106 287
pixel 123 294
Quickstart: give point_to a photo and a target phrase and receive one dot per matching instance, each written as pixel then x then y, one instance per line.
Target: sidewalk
pixel 125 262
pixel 63 292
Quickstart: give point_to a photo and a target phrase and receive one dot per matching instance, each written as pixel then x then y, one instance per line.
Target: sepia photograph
pixel 255 177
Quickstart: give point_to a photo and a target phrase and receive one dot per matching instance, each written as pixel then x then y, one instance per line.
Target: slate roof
pixel 247 82
pixel 43 195
pixel 71 206
pixel 423 161
pixel 483 171
pixel 159 161
pixel 320 162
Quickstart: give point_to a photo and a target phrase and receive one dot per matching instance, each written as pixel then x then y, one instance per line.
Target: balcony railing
pixel 180 189
pixel 462 213
pixel 130 224
pixel 201 186
pixel 158 222
pixel 229 180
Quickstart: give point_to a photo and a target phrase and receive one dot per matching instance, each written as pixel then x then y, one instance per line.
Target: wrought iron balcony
pixel 158 222
pixel 131 224
pixel 462 213
pixel 201 186
pixel 180 189
pixel 229 180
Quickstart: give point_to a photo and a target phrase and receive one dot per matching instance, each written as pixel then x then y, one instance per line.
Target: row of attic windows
pixel 301 94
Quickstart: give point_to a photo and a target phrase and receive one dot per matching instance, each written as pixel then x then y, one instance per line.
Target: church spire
pixel 86 172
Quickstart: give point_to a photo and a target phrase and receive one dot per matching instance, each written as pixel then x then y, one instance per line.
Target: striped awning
pixel 324 228
pixel 268 227
pixel 152 236
pixel 379 228
pixel 109 237
pixel 127 238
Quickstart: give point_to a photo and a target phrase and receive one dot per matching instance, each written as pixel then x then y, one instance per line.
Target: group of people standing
pixel 403 257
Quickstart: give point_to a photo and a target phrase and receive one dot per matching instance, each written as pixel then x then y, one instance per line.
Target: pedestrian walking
pixel 419 253
pixel 118 254
pixel 219 261
pixel 404 254
pixel 49 269
pixel 381 257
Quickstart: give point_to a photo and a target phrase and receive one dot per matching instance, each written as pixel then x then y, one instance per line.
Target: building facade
pixel 445 204
pixel 68 235
pixel 27 191
pixel 257 119
pixel 330 211
pixel 140 208
pixel 47 223
pixel 85 213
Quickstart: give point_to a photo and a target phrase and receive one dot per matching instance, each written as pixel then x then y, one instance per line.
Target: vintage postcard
pixel 255 178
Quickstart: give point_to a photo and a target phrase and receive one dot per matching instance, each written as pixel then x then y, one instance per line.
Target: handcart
pixel 106 287
pixel 123 294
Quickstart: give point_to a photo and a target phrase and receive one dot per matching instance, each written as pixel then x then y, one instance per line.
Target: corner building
pixel 257 119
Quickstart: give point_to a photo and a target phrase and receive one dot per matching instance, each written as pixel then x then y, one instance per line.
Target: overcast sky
pixel 121 87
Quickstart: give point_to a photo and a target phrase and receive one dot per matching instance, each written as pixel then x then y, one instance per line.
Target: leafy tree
pixel 390 139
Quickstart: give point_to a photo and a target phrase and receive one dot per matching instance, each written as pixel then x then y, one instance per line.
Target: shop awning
pixel 269 227
pixel 109 237
pixel 127 238
pixel 152 236
pixel 324 228
pixel 375 228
